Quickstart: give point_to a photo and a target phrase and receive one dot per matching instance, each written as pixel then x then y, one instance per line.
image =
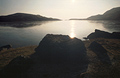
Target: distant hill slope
pixel 112 14
pixel 24 17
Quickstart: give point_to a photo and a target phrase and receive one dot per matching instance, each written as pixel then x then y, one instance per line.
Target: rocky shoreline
pixel 104 34
pixel 59 56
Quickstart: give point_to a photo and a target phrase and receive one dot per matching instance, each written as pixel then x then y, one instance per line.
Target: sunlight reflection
pixel 72 34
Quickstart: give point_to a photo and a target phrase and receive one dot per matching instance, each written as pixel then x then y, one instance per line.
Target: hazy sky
pixel 58 8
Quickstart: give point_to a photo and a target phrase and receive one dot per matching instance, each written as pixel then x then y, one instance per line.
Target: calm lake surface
pixel 20 34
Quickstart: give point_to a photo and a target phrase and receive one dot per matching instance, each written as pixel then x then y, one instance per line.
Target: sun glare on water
pixel 72 33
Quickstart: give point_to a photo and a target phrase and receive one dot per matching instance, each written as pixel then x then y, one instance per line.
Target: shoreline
pixel 28 50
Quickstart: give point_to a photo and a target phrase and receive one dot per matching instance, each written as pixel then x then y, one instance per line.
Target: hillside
pixel 24 17
pixel 112 14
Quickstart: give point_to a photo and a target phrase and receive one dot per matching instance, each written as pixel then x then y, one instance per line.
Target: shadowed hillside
pixel 112 14
pixel 24 17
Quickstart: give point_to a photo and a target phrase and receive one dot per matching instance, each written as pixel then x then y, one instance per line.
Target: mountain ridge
pixel 24 17
pixel 112 14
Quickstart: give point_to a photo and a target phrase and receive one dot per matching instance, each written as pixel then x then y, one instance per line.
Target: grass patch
pixel 7 55
pixel 97 69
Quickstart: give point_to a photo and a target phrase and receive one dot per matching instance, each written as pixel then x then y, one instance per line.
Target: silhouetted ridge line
pixel 112 14
pixel 24 17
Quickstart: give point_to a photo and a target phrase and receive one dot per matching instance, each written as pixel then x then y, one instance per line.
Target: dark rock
pixel 100 51
pixel 85 38
pixel 103 34
pixel 16 67
pixel 116 35
pixel 6 46
pixel 59 56
pixel 60 48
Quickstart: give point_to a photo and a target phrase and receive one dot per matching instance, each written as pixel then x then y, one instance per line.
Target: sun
pixel 73 1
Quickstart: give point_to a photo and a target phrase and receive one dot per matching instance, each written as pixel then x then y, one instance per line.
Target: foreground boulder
pixel 59 56
pixel 60 49
pixel 103 34
pixel 16 67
